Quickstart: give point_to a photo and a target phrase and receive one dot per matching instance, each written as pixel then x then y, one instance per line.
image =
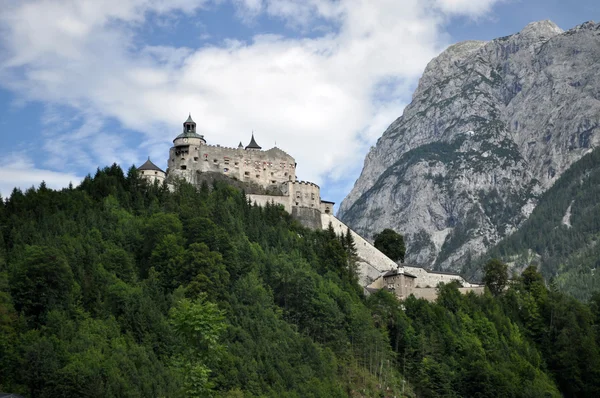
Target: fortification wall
pixel 262 200
pixel 153 175
pixel 272 167
pixel 309 217
pixel 432 279
pixel 371 261
pixel 430 293
pixel 305 194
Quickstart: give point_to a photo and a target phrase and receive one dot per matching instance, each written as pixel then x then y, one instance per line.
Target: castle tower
pixel 189 136
pixel 151 172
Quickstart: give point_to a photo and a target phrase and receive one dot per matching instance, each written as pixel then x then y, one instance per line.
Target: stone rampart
pixel 262 200
pixel 309 217
pixel 431 279
pixel 430 293
pixel 266 168
pixel 372 262
pixel 305 194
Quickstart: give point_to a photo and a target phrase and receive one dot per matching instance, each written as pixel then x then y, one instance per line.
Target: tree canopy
pixel 117 288
pixel 390 243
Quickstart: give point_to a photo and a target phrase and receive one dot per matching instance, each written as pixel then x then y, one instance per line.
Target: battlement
pixel 304 183
pixel 217 146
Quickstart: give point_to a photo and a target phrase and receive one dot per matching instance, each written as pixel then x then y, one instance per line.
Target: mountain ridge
pixel 491 126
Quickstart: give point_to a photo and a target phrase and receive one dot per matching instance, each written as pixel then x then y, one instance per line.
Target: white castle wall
pixel 266 168
pixel 262 200
pixel 432 279
pixel 153 175
pixel 372 263
pixel 304 194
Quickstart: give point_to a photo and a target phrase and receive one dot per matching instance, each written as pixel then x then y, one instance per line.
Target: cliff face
pixel 490 127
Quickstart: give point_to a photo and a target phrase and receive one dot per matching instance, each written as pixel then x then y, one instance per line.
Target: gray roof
pixel 253 144
pixel 148 165
pixel 396 272
pixel 189 119
pixel 190 134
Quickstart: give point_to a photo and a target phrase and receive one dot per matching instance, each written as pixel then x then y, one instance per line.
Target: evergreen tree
pixel 390 243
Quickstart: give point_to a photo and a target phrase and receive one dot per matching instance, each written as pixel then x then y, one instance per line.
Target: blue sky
pixel 84 84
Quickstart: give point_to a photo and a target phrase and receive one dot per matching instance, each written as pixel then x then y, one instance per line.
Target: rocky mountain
pixel 491 126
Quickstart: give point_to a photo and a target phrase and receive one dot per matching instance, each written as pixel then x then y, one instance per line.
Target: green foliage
pixel 566 252
pixel 390 243
pixel 120 289
pixel 496 276
pixel 199 324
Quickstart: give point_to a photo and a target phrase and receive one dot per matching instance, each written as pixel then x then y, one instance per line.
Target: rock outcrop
pixel 490 127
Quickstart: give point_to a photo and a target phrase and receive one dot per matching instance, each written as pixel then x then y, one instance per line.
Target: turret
pixel 189 135
pixel 151 172
pixel 253 146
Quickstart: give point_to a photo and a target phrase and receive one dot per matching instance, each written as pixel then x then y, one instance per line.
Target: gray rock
pixel 491 126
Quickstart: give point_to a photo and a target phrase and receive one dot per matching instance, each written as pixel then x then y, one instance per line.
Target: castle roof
pixel 148 165
pixel 253 144
pixel 189 129
pixel 189 134
pixel 396 272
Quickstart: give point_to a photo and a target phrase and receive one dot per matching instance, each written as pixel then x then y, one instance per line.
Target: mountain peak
pixel 491 126
pixel 540 30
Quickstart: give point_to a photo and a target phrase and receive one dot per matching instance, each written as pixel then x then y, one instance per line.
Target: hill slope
pixel 119 289
pixel 491 126
pixel 562 233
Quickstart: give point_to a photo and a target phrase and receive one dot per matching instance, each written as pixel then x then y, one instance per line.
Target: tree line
pixel 119 288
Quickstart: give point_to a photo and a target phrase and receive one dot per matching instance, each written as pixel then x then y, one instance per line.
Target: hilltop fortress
pixel 274 172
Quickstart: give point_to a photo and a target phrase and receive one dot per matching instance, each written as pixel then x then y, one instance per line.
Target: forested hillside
pixel 120 289
pixel 562 233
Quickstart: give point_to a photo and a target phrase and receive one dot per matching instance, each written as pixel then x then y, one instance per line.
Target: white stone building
pixel 272 169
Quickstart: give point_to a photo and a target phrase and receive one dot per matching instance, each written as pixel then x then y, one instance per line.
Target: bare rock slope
pixel 490 127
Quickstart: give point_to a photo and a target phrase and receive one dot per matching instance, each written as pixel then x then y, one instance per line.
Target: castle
pixel 273 170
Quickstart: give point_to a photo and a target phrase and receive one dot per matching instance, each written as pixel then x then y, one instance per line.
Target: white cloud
pixel 473 8
pixel 324 99
pixel 17 170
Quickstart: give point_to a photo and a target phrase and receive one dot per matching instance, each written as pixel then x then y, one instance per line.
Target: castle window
pixel 258 176
pixel 156 172
pixel 183 167
pixel 215 160
pixel 247 173
pixel 273 182
pixel 225 170
pixel 195 158
pixel 272 174
pixel 298 195
pixel 285 174
pixel 237 163
pixel 312 196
